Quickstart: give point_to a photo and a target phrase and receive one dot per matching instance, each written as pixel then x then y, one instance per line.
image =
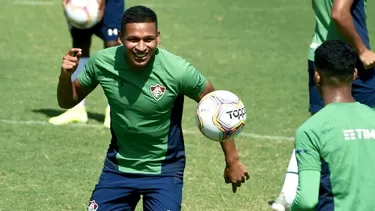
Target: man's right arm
pixel 344 21
pixel 71 93
pixel 342 16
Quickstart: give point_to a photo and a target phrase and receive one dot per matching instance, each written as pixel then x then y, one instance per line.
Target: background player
pixel 107 30
pixel 341 20
pixel 335 147
pixel 146 155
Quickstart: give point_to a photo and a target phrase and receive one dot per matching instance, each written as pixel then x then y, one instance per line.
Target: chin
pixel 142 64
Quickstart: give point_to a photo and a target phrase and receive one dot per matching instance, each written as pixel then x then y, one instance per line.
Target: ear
pixel 355 74
pixel 158 38
pixel 120 38
pixel 317 77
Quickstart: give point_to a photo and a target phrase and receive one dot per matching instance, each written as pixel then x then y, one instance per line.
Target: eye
pixel 132 39
pixel 149 39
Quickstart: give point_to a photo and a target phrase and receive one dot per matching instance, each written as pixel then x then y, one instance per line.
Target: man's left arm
pixel 307 192
pixel 196 86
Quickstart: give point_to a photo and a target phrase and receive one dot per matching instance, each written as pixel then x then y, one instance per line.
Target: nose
pixel 141 46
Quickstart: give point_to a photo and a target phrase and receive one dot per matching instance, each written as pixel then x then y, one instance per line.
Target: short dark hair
pixel 138 14
pixel 335 61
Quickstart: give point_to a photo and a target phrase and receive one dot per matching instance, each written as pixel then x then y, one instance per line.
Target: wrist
pixel 361 50
pixel 65 76
pixel 231 159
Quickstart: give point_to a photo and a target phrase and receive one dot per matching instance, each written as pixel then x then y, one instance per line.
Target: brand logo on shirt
pixel 358 134
pixel 157 91
pixel 93 206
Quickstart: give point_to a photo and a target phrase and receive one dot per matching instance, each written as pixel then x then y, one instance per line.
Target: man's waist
pixel 156 166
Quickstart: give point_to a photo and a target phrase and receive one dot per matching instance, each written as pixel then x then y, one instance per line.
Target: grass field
pixel 257 49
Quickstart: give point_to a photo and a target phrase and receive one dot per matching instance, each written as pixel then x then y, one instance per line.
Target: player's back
pixel 346 142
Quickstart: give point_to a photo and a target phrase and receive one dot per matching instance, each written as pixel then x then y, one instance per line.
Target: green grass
pixel 257 49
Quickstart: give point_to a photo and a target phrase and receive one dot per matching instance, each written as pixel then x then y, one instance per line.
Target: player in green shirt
pixel 335 147
pixel 145 87
pixel 335 20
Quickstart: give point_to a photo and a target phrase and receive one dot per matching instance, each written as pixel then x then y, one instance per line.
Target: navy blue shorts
pixel 122 192
pixel 363 89
pixel 108 29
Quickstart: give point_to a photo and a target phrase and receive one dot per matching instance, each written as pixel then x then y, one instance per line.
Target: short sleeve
pixel 193 82
pixel 88 77
pixel 307 150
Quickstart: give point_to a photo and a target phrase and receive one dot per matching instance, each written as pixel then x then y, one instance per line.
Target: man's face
pixel 140 41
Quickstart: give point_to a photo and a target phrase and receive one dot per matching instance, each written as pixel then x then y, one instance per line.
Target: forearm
pixel 308 191
pixel 102 4
pixel 66 94
pixel 230 151
pixel 345 25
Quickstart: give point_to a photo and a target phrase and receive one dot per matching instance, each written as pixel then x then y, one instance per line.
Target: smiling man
pixel 145 87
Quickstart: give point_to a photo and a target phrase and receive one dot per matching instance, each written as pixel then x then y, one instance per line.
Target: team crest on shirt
pixel 157 91
pixel 93 206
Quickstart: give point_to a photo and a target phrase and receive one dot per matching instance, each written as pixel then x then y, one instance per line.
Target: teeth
pixel 140 55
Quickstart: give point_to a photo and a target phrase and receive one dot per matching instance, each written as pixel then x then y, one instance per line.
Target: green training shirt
pixel 146 109
pixel 339 141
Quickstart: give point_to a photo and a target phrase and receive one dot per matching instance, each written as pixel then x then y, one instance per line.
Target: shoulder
pixel 165 54
pixel 172 64
pixel 166 57
pixel 102 59
pixel 366 108
pixel 317 119
pixel 316 124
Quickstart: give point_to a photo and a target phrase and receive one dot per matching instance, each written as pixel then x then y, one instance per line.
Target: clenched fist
pixel 367 58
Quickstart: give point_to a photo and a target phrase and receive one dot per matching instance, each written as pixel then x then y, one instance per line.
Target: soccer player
pixel 335 147
pixel 340 20
pixel 145 86
pixel 107 29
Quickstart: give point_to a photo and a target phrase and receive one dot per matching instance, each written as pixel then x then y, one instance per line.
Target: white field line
pixel 190 132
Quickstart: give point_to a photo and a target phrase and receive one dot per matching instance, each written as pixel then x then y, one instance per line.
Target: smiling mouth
pixel 140 55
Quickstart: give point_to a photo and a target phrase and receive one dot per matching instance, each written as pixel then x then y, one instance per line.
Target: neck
pixel 139 68
pixel 337 94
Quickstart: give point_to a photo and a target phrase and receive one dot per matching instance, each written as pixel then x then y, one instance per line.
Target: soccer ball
pixel 82 14
pixel 220 115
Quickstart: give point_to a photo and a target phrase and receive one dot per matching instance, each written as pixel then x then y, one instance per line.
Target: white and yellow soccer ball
pixel 82 14
pixel 220 115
